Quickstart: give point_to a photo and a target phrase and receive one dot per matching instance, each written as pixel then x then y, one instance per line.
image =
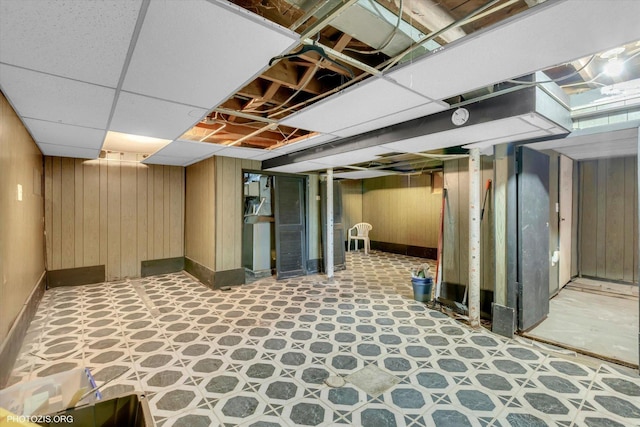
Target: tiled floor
pixel 259 355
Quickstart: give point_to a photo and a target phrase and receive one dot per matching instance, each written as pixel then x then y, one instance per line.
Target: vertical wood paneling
pixel 166 182
pixel 104 205
pixel 91 213
pixel 142 213
pixel 614 224
pixel 113 221
pixel 608 219
pixel 129 263
pixel 67 212
pixel 176 193
pixel 110 205
pixel 79 213
pixel 601 219
pixel 150 210
pixel 48 210
pixel 56 214
pixel 200 215
pixel 158 212
pixel 22 259
pixel 589 217
pixel 451 247
pixel 487 227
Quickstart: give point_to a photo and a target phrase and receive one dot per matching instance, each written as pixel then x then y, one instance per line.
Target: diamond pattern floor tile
pixel 258 355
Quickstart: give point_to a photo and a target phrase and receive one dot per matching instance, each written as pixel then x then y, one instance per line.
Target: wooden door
pixel 291 251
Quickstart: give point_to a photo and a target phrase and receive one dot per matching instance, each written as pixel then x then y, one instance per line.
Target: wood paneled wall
pixel 200 218
pixel 112 213
pixel 214 212
pixel 402 209
pixel 229 210
pixel 21 227
pixel 456 226
pixel 351 202
pixel 609 219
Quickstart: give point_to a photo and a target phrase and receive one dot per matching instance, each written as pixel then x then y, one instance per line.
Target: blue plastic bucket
pixel 422 288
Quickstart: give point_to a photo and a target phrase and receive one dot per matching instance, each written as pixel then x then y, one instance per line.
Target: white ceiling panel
pixel 299 167
pixel 353 157
pixel 362 174
pixel 508 127
pixel 364 102
pixel 240 152
pixel 91 38
pixel 266 154
pixel 311 141
pixel 56 99
pixel 67 151
pixel 557 32
pixel 392 119
pixel 61 134
pixel 200 52
pixel 189 149
pixel 166 160
pixel 141 115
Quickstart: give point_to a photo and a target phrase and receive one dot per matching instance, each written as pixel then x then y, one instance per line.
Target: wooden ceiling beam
pixel 287 74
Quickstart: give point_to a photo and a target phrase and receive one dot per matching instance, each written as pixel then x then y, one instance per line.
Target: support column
pixel 328 262
pixel 474 237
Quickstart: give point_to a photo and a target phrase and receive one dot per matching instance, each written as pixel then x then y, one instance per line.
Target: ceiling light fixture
pixel 614 67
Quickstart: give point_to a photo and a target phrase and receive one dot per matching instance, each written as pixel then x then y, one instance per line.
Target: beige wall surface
pixel 21 226
pixel 214 212
pixel 608 219
pixel 200 219
pixel 112 213
pixel 455 264
pixel 402 209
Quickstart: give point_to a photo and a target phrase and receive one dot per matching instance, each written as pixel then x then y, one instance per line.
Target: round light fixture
pixel 460 116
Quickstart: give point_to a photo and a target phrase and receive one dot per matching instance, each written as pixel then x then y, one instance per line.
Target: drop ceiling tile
pixel 240 152
pixel 141 115
pixel 200 54
pixel 83 40
pixel 189 149
pixel 56 99
pixel 311 141
pixel 61 134
pixel 300 167
pixel 362 174
pixel 166 160
pixel 364 102
pixel 464 135
pixel 353 157
pixel 392 119
pixel 66 151
pixel 557 32
pixel 267 154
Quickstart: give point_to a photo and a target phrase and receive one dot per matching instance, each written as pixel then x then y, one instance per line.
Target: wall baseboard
pixel 397 248
pixel 13 342
pixel 76 276
pixel 200 272
pixel 153 267
pixel 229 278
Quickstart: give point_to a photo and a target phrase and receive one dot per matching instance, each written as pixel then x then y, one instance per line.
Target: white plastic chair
pixel 362 233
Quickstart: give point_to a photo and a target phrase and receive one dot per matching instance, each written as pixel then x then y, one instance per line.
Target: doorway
pixel 274 225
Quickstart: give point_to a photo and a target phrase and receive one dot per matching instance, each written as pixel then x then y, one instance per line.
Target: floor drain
pixel 335 381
